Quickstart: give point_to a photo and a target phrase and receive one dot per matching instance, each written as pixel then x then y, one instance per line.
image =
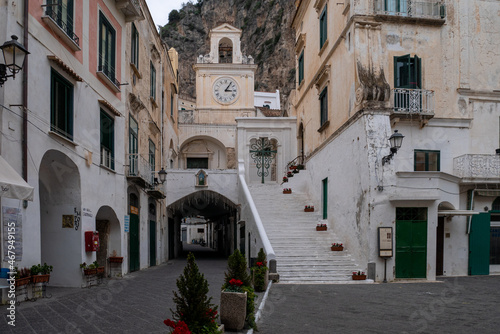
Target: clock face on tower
pixel 225 90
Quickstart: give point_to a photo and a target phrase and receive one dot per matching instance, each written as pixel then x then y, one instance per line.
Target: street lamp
pixel 396 140
pixel 14 55
pixel 162 174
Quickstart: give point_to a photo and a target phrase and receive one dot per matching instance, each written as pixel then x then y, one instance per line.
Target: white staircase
pixel 303 255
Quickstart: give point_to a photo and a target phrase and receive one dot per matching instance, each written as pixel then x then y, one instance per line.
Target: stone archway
pixel 108 226
pixel 60 209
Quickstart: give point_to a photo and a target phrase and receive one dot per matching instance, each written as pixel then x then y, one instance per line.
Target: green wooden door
pixel 411 242
pixel 479 245
pixel 134 242
pixel 152 243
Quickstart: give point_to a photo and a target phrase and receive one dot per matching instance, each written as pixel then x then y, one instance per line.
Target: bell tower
pixel 224 79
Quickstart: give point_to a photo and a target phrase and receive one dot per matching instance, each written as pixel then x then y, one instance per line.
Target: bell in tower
pixel 225 51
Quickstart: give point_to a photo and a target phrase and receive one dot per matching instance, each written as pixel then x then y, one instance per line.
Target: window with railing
pixel 61 12
pixel 411 8
pixel 107 45
pixel 107 141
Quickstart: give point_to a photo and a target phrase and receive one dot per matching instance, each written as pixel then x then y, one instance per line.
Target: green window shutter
pixel 108 136
pixel 61 105
pixel 325 198
pixel 418 73
pixel 301 67
pixel 402 71
pixel 323 27
pixel 69 17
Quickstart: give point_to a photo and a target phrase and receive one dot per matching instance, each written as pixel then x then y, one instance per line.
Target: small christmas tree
pixel 193 306
pixel 237 269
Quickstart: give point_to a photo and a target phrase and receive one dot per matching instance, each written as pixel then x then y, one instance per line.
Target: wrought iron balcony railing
pixel 58 13
pixel 477 166
pixel 433 9
pixel 140 169
pixel 413 101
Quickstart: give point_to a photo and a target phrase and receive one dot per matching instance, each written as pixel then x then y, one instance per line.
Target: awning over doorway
pixel 12 185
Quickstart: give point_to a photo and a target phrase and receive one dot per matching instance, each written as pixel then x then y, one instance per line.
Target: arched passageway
pixel 60 230
pixel 204 218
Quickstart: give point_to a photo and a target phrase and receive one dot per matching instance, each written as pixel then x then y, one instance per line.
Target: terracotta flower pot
pixel 115 259
pixel 321 228
pixel 358 277
pixel 23 281
pixel 337 248
pixel 309 210
pixel 233 310
pixel 90 271
pixel 287 191
pixel 40 278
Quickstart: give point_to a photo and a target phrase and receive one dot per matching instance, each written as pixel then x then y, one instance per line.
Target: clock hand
pixel 227 88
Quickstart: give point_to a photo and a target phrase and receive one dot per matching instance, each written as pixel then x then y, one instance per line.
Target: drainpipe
pixel 25 96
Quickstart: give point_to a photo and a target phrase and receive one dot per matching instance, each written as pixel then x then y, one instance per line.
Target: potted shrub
pixel 194 312
pixel 289 174
pixel 337 247
pixel 287 191
pixel 230 315
pixel 321 227
pixel 309 208
pixel 358 276
pixel 260 272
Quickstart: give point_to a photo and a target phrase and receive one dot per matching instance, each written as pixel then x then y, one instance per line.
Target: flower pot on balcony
pixel 233 309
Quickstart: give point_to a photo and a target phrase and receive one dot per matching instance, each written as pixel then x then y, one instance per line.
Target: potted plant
pixel 260 272
pixel 285 179
pixel 23 276
pixel 293 167
pixel 232 310
pixel 321 227
pixel 287 191
pixel 358 276
pixel 337 247
pixel 295 171
pixel 115 259
pixel 309 208
pixel 289 174
pixel 88 269
pixel 194 312
pixel 40 273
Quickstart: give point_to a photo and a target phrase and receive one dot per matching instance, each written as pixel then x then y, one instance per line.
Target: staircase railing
pixel 298 162
pixel 252 216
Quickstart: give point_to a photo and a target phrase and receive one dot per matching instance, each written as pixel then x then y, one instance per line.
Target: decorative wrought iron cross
pixel 262 154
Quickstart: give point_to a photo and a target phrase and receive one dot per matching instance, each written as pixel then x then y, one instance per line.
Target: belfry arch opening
pixel 225 51
pixel 204 221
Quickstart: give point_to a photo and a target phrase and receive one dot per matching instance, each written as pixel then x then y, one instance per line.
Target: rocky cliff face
pixel 267 37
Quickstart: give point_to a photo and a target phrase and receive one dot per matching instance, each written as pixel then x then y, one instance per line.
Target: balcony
pixel 107 74
pixel 139 170
pixel 412 104
pixel 131 9
pixel 474 168
pixel 423 11
pixel 62 25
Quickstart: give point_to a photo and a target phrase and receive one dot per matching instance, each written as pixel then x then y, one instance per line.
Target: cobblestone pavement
pixel 141 301
pixel 452 305
pixel 138 303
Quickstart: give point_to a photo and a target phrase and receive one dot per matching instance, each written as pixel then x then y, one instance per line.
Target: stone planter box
pixel 359 277
pixel 337 249
pixel 321 228
pixel 233 310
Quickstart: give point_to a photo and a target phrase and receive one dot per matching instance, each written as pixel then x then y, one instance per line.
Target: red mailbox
pixel 91 241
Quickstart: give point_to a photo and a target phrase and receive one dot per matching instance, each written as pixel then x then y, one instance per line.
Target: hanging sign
pixel 385 241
